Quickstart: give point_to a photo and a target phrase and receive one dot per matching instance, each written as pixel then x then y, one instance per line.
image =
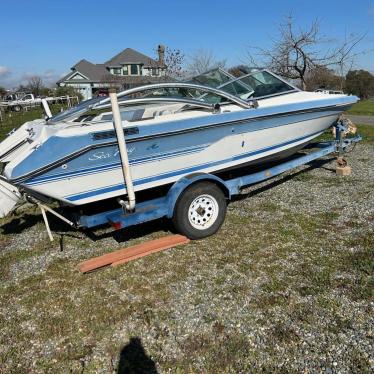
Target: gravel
pixel 285 286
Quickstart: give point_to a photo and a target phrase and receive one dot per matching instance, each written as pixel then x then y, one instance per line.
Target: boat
pixel 209 124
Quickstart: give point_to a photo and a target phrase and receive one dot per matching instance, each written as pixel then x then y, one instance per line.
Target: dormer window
pixel 117 71
pixel 134 69
pixel 127 69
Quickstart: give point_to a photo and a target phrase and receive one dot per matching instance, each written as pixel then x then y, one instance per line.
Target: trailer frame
pixel 164 206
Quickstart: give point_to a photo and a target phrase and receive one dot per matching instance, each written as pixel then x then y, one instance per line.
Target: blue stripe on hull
pixel 174 146
pixel 114 165
pixel 174 173
pixel 182 134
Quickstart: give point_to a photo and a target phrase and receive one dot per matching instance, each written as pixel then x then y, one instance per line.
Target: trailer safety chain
pixel 349 148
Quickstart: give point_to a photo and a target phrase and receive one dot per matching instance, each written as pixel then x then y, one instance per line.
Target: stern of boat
pixel 17 142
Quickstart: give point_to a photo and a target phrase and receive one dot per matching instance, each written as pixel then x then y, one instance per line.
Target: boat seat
pixel 162 112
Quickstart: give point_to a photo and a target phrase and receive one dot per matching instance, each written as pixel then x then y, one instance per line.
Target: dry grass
pixel 285 286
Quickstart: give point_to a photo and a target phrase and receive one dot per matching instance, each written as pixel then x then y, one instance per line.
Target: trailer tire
pixel 200 210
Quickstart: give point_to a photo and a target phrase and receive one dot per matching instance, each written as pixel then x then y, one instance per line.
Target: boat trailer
pixel 196 203
pixel 165 206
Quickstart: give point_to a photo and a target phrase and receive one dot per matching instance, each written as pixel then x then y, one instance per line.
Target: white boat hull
pixel 230 151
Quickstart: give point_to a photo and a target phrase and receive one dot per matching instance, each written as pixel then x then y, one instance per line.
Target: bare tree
pixel 343 57
pixel 35 84
pixel 322 77
pixel 203 60
pixel 174 60
pixel 297 51
pixel 22 88
pixel 238 70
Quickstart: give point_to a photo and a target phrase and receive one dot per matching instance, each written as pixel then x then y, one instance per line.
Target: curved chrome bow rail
pixel 151 100
pixel 232 98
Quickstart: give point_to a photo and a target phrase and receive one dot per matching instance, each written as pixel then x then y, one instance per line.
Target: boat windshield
pixel 250 84
pixel 76 110
pixel 264 83
pixel 216 86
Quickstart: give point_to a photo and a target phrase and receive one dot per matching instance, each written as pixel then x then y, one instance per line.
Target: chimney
pixel 161 54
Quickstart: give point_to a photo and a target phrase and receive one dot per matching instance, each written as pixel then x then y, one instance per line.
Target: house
pixel 127 69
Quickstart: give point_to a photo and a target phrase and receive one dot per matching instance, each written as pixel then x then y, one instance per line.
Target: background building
pixel 127 69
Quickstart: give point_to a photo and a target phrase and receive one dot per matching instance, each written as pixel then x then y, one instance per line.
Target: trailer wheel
pixel 200 210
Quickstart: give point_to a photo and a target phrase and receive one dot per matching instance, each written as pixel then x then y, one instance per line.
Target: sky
pixel 47 37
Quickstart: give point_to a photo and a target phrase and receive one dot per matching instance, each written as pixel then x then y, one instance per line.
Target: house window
pixel 134 69
pixel 154 71
pixel 125 70
pixel 117 71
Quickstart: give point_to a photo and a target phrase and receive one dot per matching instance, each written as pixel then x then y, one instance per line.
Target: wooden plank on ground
pixel 131 253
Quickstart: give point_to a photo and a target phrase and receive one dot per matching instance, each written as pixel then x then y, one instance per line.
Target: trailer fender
pixel 179 186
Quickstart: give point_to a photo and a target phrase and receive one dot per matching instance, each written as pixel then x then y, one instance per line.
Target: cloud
pixel 13 79
pixel 48 76
pixel 5 76
pixel 4 71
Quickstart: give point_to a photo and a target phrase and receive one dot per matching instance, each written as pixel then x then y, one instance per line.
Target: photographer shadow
pixel 134 360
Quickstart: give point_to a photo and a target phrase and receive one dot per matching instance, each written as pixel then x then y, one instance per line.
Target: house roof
pixel 99 72
pixel 130 56
pixel 135 79
pixel 93 72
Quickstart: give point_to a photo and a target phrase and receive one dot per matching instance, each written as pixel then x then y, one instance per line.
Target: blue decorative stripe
pixel 57 150
pixel 137 182
pixel 114 165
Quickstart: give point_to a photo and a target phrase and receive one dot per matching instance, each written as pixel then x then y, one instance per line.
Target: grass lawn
pixel 364 108
pixel 286 286
pixel 12 120
pixel 367 133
